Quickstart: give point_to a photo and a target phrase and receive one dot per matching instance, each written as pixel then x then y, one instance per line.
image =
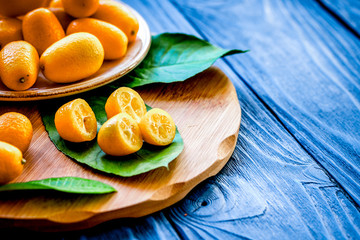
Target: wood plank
pixel 265 190
pixel 271 168
pixel 304 65
pixel 271 188
pixel 347 11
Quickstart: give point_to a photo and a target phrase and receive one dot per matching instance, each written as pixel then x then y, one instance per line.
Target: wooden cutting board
pixel 207 112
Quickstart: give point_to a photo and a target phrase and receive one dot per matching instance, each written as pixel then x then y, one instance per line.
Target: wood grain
pixel 207 113
pixel 346 11
pixel 272 187
pixel 311 85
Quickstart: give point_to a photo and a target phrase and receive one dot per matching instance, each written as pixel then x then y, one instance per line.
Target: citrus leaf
pixel 62 184
pixel 174 57
pixel 147 158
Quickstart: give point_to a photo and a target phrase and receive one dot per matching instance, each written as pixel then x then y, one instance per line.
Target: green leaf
pixel 147 158
pixel 62 184
pixel 174 57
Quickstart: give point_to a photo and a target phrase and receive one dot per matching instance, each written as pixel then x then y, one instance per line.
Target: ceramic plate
pixel 110 71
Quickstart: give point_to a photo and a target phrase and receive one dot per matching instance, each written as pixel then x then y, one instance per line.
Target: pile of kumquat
pixel 67 40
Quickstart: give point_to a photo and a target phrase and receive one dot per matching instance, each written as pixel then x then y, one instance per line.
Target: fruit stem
pixel 23 161
pixel 22 80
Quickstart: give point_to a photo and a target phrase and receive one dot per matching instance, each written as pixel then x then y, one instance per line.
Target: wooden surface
pixel 294 173
pixel 201 107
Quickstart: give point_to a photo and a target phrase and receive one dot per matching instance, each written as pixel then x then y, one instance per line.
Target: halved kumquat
pixel 120 135
pixel 157 127
pixel 75 121
pixel 125 100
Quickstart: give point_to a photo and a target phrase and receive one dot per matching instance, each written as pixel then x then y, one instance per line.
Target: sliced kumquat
pixel 75 121
pixel 125 100
pixel 120 135
pixel 157 127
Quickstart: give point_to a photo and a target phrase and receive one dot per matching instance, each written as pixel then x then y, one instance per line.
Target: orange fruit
pixel 16 129
pixel 10 30
pixel 41 28
pixel 19 65
pixel 72 58
pixel 80 8
pixel 11 162
pixel 55 4
pixel 20 18
pixel 112 38
pixel 157 127
pixel 118 14
pixel 75 121
pixel 120 135
pixel 64 18
pixel 13 8
pixel 125 100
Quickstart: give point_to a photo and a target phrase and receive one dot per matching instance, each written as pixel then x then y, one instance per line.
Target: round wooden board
pixel 207 112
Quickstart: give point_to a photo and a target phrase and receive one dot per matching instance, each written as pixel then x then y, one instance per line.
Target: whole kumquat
pixel 80 8
pixel 56 4
pixel 11 162
pixel 64 18
pixel 14 8
pixel 19 65
pixel 16 129
pixel 111 37
pixel 41 28
pixel 118 14
pixel 72 58
pixel 10 30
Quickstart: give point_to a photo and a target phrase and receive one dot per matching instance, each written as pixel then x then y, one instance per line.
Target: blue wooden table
pixel 295 172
